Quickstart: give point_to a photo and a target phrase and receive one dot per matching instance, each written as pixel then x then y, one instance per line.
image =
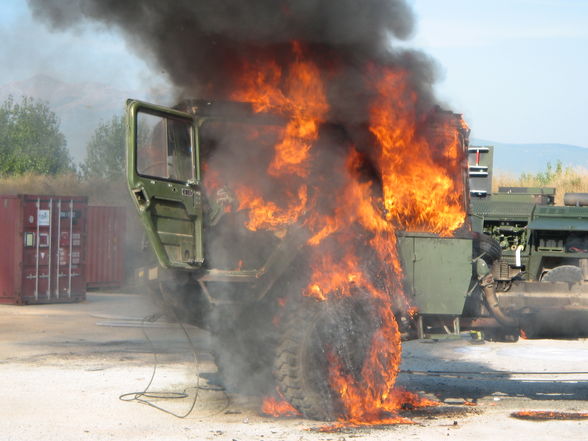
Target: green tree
pixel 30 139
pixel 553 175
pixel 105 153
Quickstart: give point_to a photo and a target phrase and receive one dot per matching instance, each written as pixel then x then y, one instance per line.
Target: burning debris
pixel 545 415
pixel 277 406
pixel 362 152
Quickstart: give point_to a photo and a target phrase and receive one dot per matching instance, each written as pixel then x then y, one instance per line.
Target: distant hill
pixel 532 158
pixel 82 106
pixel 79 106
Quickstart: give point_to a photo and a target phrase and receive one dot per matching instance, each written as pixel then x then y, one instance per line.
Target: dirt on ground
pixel 64 369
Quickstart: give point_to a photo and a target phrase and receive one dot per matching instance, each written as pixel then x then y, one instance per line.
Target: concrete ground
pixel 64 367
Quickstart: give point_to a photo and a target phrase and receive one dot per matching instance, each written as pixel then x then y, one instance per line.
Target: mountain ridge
pixel 511 158
pixel 82 106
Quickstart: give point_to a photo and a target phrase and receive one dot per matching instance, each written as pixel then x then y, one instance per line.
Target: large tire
pixel 343 327
pixel 486 245
pixel 564 273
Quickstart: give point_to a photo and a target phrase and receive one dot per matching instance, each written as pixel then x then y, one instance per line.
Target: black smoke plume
pixel 201 43
pixel 205 46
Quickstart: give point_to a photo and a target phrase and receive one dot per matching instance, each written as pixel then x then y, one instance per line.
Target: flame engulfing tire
pixel 315 331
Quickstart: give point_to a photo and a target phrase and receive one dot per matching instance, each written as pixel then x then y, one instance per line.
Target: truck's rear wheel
pixel 564 273
pixel 343 327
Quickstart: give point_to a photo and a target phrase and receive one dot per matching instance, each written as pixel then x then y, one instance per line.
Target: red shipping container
pixel 105 247
pixel 43 241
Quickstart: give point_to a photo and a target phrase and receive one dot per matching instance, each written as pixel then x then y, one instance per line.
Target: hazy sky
pixel 93 54
pixel 517 69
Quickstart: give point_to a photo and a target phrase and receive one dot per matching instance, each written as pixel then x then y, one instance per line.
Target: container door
pixel 53 232
pixel 164 180
pixel 70 219
pixel 38 226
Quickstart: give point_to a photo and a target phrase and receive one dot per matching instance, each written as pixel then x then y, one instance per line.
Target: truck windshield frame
pixel 166 148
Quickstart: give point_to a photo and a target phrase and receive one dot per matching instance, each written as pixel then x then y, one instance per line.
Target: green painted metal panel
pixel 528 190
pixel 514 197
pixel 558 211
pixel 502 210
pixel 171 209
pixel 559 224
pixel 173 226
pixel 438 271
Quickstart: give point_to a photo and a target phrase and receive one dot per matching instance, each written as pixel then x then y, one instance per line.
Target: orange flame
pixel 544 415
pixel 418 159
pixel 278 407
pixel 263 88
pixel 419 194
pixel 268 215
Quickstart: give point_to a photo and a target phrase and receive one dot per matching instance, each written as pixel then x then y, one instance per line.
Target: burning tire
pixel 315 332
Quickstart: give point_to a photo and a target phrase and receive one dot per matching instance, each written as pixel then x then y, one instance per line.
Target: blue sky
pixel 516 69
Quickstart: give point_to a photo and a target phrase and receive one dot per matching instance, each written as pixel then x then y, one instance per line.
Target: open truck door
pixel 164 179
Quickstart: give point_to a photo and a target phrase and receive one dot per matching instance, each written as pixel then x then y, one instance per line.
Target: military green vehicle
pixel 213 273
pixel 541 272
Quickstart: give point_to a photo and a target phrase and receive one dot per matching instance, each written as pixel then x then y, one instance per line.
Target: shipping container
pixel 43 241
pixel 105 247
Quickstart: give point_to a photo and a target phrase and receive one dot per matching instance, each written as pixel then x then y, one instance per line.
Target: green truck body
pixel 440 273
pixel 540 277
pixel 534 238
pixel 175 214
pixel 494 277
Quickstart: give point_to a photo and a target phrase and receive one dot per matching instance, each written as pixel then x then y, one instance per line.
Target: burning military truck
pixel 257 219
pixel 289 237
pixel 276 220
pixel 311 219
pixel 309 256
pixel 282 227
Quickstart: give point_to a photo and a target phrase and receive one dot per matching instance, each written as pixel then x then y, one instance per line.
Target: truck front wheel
pixel 315 331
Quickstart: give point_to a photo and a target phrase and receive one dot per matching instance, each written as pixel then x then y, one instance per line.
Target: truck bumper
pixel 536 297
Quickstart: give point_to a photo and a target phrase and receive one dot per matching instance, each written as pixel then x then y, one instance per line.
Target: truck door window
pixel 164 148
